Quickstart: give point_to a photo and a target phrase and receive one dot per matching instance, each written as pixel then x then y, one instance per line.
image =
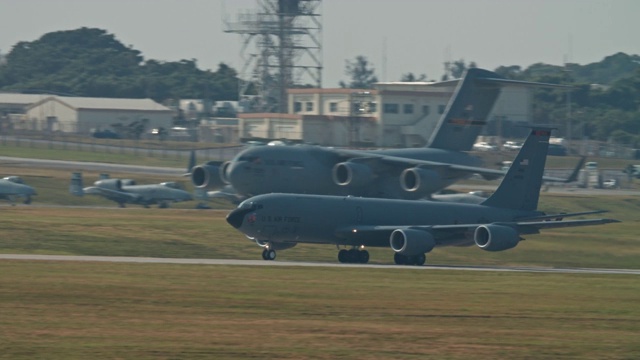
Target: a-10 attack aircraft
pixel 125 191
pixel 410 228
pixel 410 173
pixel 13 187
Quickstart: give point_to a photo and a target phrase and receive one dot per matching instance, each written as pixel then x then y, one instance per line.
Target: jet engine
pixel 496 237
pixel 411 242
pixel 275 245
pixel 208 176
pixel 352 174
pixel 419 180
pixel 111 184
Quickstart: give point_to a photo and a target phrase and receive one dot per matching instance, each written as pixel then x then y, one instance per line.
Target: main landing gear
pixel 268 254
pixel 418 260
pixel 353 256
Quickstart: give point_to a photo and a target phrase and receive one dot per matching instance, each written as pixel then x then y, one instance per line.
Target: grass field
pixel 58 310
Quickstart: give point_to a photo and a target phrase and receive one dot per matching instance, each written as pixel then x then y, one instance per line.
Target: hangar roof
pixel 106 103
pixel 23 99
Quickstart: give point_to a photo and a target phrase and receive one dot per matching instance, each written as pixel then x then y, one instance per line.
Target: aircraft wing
pixel 374 159
pixel 452 234
pixel 95 190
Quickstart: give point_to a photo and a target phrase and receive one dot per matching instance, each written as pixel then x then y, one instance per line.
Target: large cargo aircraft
pixel 410 228
pixel 410 173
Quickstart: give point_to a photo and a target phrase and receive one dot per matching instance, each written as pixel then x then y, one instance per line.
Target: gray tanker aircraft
pixel 410 228
pixel 13 187
pixel 411 173
pixel 125 191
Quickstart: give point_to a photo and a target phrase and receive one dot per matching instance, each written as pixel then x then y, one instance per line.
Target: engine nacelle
pixel 207 176
pixel 111 184
pixel 223 172
pixel 410 242
pixel 352 174
pixel 496 237
pixel 275 245
pixel 419 180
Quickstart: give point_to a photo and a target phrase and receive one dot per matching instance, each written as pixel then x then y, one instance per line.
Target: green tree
pixel 455 69
pixel 361 74
pixel 410 77
pixel 92 62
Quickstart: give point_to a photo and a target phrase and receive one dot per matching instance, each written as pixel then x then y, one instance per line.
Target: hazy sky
pixel 419 34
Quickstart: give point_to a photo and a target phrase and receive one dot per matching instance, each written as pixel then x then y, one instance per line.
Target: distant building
pixel 86 115
pixel 11 104
pixel 393 114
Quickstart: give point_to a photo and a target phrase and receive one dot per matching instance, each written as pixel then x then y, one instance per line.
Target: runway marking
pixel 232 262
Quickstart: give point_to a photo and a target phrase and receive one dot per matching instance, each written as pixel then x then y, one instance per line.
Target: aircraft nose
pixel 236 217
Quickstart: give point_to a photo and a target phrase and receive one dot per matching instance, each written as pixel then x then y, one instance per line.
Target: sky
pixel 396 37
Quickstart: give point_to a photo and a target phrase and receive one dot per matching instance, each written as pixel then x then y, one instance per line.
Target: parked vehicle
pixel 484 146
pixel 512 145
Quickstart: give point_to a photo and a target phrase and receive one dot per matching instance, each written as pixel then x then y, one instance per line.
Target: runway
pixel 232 262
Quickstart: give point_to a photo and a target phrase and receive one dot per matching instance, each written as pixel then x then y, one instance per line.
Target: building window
pixel 407 108
pixel 333 107
pixel 373 106
pixel 425 110
pixel 441 109
pixel 309 106
pixel 297 107
pixel 390 108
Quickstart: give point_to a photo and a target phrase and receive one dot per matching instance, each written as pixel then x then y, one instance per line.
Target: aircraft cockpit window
pixel 249 205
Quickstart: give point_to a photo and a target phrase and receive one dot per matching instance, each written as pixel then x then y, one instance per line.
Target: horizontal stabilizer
pixel 561 216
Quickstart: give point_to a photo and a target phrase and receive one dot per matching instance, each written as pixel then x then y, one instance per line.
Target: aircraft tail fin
pixel 467 111
pixel 520 187
pixel 576 171
pixel 76 186
pixel 191 164
pixel 469 107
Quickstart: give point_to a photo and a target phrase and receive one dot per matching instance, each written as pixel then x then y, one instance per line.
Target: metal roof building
pixel 84 115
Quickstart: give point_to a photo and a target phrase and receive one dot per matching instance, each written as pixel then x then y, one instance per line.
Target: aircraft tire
pixel 271 254
pixel 400 259
pixel 353 256
pixel 343 256
pixel 268 254
pixel 419 260
pixel 363 257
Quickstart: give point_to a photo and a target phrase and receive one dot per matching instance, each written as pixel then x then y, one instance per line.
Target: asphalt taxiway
pixel 232 262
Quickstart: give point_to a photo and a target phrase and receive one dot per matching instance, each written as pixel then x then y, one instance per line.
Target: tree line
pixel 604 97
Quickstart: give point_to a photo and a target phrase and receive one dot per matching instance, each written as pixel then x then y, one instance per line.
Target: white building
pixel 84 115
pixel 11 103
pixel 393 114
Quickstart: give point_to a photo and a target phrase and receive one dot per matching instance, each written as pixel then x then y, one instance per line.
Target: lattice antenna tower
pixel 287 50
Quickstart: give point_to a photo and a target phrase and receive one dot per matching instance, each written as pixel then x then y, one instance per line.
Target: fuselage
pixel 9 188
pixel 144 194
pixel 319 219
pixel 308 170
